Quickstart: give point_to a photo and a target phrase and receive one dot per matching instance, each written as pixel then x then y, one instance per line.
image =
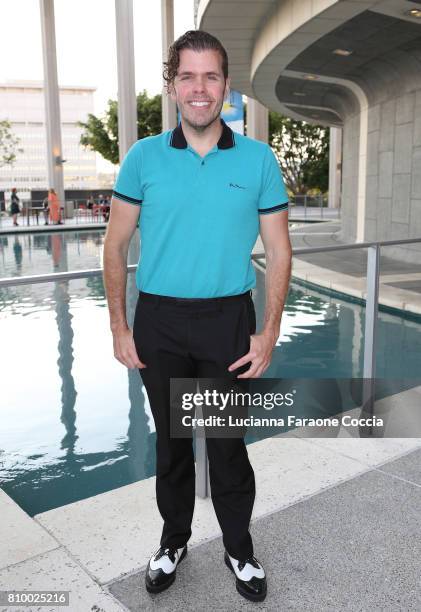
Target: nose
pixel 199 85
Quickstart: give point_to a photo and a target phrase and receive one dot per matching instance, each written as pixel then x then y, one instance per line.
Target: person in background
pixel 90 202
pixel 54 206
pixel 14 206
pixel 106 209
pixel 45 210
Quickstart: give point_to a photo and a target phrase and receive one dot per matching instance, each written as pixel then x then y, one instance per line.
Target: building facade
pixel 22 104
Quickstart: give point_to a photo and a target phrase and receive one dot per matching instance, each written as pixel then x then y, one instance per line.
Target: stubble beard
pixel 200 128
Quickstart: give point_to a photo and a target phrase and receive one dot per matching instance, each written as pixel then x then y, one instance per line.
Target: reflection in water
pixel 64 362
pixel 140 439
pixel 316 334
pixel 65 344
pixel 17 252
pixel 38 253
pixel 109 438
pixel 56 241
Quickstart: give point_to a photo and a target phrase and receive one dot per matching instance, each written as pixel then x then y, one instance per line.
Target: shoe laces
pixel 252 560
pixel 170 552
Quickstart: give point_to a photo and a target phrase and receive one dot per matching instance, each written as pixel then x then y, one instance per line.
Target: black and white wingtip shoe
pixel 160 571
pixel 250 575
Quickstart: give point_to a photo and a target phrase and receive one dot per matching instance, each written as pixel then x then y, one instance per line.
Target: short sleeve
pixel 273 195
pixel 128 186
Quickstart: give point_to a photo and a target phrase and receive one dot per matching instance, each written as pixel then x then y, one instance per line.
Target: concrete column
pixel 52 100
pixel 169 108
pixel 257 120
pixel 335 167
pixel 127 104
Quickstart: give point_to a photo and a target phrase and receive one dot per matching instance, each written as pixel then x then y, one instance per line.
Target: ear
pixel 172 92
pixel 227 88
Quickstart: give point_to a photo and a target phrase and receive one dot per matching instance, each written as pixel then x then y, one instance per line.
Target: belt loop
pixel 157 302
pixel 220 304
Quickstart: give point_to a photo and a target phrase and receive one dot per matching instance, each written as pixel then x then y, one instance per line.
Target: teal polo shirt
pixel 199 217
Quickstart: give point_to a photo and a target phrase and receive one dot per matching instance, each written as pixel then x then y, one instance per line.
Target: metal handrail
pixel 57 276
pixel 346 247
pixel 370 335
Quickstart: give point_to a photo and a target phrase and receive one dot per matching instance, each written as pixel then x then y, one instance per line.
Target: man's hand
pixel 125 349
pixel 260 355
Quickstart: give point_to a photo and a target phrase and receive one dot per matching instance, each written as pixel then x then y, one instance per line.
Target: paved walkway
pixel 352 547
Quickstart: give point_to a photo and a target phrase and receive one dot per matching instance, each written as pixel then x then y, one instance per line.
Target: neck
pixel 203 139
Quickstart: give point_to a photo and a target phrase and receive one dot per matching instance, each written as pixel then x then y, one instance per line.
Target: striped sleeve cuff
pixel 121 196
pixel 265 211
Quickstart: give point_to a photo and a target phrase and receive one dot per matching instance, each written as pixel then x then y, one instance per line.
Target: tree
pixel 101 134
pixel 8 144
pixel 302 151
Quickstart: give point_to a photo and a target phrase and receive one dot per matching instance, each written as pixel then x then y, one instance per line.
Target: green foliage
pixel 101 134
pixel 8 144
pixel 302 151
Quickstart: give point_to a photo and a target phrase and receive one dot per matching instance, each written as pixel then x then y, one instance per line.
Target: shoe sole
pixel 245 594
pixel 157 589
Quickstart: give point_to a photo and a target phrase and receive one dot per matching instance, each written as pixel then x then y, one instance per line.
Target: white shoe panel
pixel 248 570
pixel 165 562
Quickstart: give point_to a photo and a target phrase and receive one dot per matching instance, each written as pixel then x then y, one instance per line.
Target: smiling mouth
pixel 197 104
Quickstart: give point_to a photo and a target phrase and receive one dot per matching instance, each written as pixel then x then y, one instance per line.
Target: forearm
pixel 278 272
pixel 115 281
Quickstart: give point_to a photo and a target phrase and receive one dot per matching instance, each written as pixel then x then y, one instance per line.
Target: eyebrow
pixel 188 72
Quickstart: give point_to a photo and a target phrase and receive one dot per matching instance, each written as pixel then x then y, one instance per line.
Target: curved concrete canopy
pixel 273 44
pixel 282 53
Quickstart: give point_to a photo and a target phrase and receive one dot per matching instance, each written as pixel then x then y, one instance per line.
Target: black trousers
pixel 186 338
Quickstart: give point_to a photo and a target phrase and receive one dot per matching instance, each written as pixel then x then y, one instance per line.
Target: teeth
pixel 199 103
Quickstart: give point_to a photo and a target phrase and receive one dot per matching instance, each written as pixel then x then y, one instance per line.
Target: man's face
pixel 199 87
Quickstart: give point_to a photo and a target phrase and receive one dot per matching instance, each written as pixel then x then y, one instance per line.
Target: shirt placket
pixel 202 163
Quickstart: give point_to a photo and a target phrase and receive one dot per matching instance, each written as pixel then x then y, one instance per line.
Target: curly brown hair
pixel 197 40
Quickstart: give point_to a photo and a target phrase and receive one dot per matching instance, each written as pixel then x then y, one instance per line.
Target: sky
pixel 86 44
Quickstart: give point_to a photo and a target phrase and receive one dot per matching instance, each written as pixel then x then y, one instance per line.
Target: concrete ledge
pixel 56 570
pixel 21 538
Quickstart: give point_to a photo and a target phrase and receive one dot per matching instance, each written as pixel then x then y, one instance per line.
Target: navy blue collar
pixel 226 141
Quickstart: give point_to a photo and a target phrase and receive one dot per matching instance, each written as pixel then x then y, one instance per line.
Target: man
pixel 202 191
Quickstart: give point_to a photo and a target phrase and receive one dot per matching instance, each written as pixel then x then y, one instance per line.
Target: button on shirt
pixel 199 217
